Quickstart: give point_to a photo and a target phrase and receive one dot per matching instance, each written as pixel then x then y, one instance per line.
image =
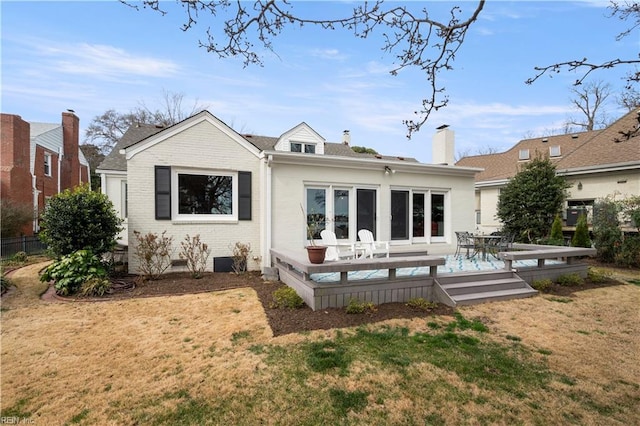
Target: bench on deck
pixel 293 260
pixel 541 253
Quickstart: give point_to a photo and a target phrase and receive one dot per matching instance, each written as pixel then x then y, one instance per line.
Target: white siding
pixel 288 223
pixel 202 146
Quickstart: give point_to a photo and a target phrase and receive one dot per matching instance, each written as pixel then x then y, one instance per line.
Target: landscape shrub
pixel 79 219
pixel 570 280
pixel 240 257
pixel 597 276
pixel 421 303
pixel 629 254
pixel 70 272
pixel 196 253
pixel 286 297
pixel 96 286
pixel 20 257
pixel 542 284
pixel 581 236
pixel 153 252
pixel 357 307
pixel 5 283
pixel 607 235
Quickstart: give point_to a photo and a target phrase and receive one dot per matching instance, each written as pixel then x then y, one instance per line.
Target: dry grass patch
pixel 210 358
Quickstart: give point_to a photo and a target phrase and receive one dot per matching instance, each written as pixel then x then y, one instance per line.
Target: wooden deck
pixel 296 271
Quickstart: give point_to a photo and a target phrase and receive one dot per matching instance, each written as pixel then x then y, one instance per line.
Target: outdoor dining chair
pixel 464 242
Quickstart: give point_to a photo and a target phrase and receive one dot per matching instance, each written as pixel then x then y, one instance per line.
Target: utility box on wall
pixel 573 214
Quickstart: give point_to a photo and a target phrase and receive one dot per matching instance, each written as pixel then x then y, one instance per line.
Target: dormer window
pixel 524 154
pixel 308 148
pixel 554 151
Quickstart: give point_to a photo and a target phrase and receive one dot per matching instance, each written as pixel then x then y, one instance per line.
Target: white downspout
pixel 34 186
pixel 60 154
pixel 266 256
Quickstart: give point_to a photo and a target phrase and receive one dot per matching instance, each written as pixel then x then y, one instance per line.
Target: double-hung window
pixel 47 164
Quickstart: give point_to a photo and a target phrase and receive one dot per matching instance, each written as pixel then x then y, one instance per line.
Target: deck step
pixel 474 288
pixel 492 296
pixel 482 286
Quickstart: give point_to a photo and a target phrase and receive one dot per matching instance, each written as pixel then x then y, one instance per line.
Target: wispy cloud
pixel 329 54
pixel 102 61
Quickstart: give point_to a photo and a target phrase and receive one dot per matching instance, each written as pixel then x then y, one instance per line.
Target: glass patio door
pixel 399 215
pixel 366 210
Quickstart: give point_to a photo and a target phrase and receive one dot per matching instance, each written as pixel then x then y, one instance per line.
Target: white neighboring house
pixel 200 176
pixel 597 164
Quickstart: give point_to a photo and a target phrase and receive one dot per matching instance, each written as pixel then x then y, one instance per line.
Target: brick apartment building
pixel 39 160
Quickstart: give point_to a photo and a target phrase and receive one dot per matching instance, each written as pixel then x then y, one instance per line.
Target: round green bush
pixel 79 219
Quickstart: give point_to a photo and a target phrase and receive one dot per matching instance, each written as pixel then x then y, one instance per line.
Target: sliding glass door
pixel 366 210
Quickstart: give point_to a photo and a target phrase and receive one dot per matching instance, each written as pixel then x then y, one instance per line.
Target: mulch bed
pixel 285 321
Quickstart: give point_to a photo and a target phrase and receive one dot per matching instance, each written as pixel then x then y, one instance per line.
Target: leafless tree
pixel 106 129
pixel 624 10
pixel 410 34
pixel 468 152
pixel 589 99
pixel 629 99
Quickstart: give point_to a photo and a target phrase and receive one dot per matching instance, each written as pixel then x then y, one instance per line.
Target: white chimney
pixel 346 137
pixel 443 146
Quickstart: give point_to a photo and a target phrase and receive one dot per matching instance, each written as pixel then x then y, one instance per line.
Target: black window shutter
pixel 163 193
pixel 244 195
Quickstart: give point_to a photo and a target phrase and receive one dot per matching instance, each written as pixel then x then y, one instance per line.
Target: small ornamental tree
pixel 607 235
pixel 529 203
pixel 556 238
pixel 79 219
pixel 581 236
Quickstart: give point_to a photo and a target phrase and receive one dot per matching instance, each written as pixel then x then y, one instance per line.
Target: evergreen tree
pixel 556 238
pixel 581 236
pixel 531 200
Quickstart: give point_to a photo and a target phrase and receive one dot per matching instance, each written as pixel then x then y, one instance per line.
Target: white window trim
pixel 303 146
pixel 555 151
pixel 523 154
pixel 208 218
pixel 48 164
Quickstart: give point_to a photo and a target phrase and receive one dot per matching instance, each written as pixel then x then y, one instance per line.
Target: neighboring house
pixel 597 164
pixel 200 177
pixel 40 160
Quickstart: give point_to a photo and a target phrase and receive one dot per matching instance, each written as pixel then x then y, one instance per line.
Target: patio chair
pixel 371 247
pixel 505 243
pixel 335 250
pixel 464 241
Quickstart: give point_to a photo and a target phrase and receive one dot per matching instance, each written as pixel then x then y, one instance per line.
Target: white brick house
pixel 200 176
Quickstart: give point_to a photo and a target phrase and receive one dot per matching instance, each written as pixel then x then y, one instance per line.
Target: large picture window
pixel 205 194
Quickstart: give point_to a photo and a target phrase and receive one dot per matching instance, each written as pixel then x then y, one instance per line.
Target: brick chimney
pixel 71 144
pixel 443 146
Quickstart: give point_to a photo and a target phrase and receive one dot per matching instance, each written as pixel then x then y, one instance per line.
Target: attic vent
pixel 574 136
pixel 159 126
pixel 248 136
pixel 545 139
pixel 401 158
pixel 378 156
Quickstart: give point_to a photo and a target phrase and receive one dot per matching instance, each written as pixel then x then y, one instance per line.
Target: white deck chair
pixel 371 247
pixel 335 250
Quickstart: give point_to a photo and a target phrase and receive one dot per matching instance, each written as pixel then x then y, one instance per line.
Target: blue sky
pixel 94 56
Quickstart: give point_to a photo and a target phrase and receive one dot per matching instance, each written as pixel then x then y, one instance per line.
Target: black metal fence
pixel 29 245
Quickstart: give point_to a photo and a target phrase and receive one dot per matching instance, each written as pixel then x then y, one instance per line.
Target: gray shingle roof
pixel 116 161
pixel 136 133
pixel 579 150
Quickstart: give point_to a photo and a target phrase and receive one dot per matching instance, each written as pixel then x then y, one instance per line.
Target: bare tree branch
pixel 624 11
pixel 414 38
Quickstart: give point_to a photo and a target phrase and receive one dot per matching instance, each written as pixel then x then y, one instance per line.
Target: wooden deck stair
pixel 481 287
